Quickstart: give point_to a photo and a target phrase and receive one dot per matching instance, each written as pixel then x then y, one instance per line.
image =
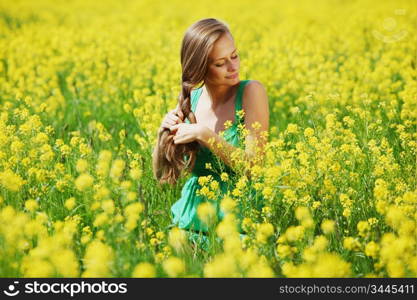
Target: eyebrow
pixel 224 57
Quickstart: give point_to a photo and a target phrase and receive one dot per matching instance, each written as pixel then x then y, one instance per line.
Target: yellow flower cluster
pixel 132 214
pixel 318 262
pixel 209 187
pixel 234 261
pixel 11 180
pixel 98 260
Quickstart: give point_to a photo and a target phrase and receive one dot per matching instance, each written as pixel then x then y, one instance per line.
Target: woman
pixel 208 56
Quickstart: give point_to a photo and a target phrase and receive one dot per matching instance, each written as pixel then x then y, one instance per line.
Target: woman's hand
pixel 170 119
pixel 187 133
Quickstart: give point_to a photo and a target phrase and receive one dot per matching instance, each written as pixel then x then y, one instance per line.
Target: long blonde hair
pixel 196 45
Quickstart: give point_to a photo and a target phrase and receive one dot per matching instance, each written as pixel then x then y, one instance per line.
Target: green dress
pixel 184 211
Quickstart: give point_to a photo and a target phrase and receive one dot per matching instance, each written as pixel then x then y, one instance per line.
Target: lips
pixel 233 76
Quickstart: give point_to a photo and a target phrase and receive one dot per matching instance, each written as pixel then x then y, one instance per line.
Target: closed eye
pixel 234 57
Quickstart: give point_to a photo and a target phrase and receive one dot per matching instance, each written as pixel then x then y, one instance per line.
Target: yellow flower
pixel 346 212
pixel 363 227
pixel 256 125
pixel 228 204
pixel 242 183
pixel 284 251
pixel 260 270
pixel 84 181
pixel 101 219
pixel 308 132
pixel 223 265
pixel 70 203
pixel 160 235
pixel 149 231
pixel 267 192
pixel 247 224
pixel 117 169
pixel 240 113
pixel 31 205
pixel 126 184
pixel 134 209
pixel 173 266
pixel 294 233
pixel 302 213
pixel 37 268
pixel 328 226
pixel 11 181
pixel 131 196
pixel 154 241
pixel 214 185
pixel 108 206
pixel 372 249
pixel 65 263
pixel 395 268
pixel 135 173
pixel 227 227
pixel 206 212
pixel 325 266
pixel 266 211
pixel 177 238
pixel 224 176
pixel 144 270
pixel 82 165
pixel 292 128
pixel 316 204
pixel 159 257
pixel 203 180
pixel 394 217
pixel 227 124
pixel 351 243
pixel 98 260
pixel 264 231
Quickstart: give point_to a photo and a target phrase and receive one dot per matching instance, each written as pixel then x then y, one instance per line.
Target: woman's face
pixel 223 62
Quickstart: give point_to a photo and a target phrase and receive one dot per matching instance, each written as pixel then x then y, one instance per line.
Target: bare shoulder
pixel 254 84
pixel 254 94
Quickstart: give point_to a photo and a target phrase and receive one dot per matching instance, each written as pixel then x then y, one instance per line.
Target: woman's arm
pixel 256 108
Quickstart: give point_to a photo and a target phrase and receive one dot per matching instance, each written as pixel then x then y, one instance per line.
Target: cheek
pixel 217 72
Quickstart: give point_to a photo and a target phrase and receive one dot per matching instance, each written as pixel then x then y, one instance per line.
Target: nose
pixel 233 66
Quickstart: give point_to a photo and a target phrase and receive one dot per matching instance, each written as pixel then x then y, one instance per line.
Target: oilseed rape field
pixel 84 86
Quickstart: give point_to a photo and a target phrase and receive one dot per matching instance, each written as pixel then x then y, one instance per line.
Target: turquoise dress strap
pixel 195 94
pixel 239 96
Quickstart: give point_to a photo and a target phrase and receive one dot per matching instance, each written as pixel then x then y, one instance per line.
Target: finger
pixel 174 127
pixel 180 114
pixel 174 119
pixel 167 124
